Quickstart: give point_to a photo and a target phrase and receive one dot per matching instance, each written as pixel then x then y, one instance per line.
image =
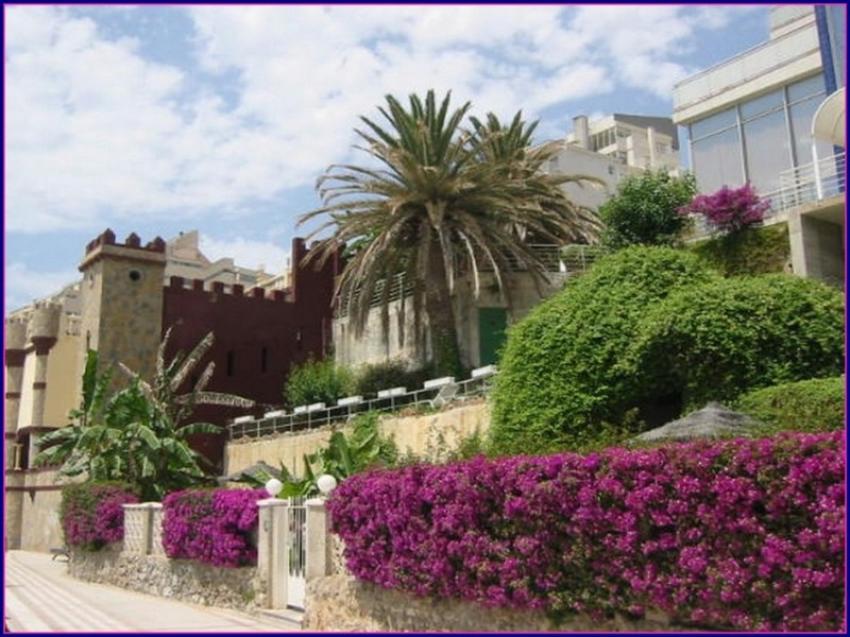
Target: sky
pixel 157 120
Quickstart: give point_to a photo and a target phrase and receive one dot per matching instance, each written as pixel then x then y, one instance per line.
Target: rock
pixel 712 421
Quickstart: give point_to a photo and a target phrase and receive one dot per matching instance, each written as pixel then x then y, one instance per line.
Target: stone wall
pixel 341 603
pixel 184 580
pixel 429 435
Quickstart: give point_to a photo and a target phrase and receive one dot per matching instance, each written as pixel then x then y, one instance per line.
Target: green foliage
pixel 317 382
pixel 645 210
pixel 750 251
pixel 718 340
pixel 343 456
pixel 560 374
pixel 138 434
pixel 807 405
pixel 370 379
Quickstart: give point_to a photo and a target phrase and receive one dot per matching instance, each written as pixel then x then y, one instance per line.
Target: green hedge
pixel 718 340
pixel 750 251
pixel 317 382
pixel 560 377
pixel 807 405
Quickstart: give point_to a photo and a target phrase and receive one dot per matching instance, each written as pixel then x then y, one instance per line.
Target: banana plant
pixel 139 434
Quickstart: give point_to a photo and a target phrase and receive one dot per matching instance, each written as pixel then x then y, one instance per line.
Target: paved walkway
pixel 41 597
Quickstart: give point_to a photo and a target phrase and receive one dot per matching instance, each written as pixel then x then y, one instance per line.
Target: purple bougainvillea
pixel 211 526
pixel 92 514
pixel 744 534
pixel 729 209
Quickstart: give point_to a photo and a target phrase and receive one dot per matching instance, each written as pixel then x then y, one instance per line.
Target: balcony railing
pixel 548 254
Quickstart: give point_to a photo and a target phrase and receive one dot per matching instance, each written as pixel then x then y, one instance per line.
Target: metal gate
pixel 297 547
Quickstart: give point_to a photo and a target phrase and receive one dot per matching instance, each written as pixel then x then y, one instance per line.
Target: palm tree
pixel 439 196
pixel 139 434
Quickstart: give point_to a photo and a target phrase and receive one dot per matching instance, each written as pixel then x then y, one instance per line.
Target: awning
pixel 828 122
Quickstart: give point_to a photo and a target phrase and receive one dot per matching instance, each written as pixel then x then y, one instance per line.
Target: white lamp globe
pixel 273 487
pixel 326 483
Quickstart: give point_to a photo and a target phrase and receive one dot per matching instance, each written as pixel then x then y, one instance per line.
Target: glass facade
pixel 756 140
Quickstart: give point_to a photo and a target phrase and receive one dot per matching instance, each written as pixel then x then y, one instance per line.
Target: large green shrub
pixel 317 382
pixel 645 210
pixel 560 376
pixel 807 405
pixel 760 250
pixel 718 340
pixel 371 379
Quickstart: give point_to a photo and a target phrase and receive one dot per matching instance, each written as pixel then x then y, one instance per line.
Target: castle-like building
pixel 122 307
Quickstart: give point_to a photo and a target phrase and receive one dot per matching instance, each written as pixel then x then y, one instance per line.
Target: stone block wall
pixel 341 603
pixel 184 580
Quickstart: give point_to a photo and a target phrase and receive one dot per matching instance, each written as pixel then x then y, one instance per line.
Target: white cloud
pixel 246 253
pixel 24 285
pixel 96 129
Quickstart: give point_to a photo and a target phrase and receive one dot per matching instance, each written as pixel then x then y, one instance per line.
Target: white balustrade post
pixel 272 549
pixel 319 557
pixel 137 528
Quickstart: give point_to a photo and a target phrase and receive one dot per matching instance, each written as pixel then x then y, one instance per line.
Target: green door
pixel 492 322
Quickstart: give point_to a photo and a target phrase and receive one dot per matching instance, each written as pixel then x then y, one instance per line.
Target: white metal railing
pixel 384 401
pixel 808 183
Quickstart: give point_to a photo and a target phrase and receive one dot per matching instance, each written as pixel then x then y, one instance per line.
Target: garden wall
pixel 418 434
pixel 183 580
pixel 341 603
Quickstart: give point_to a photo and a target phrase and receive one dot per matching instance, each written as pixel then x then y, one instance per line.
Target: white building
pixel 752 119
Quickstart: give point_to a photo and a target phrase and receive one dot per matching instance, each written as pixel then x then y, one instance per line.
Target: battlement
pixel 107 238
pixel 179 283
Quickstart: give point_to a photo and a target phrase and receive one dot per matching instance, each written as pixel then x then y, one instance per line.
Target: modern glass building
pixel 773 116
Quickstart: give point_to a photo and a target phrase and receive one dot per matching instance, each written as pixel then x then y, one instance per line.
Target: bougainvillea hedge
pixel 91 514
pixel 213 526
pixel 743 534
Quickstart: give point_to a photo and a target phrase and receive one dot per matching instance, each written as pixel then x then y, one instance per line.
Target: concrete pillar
pixel 137 528
pixel 156 548
pixel 650 139
pixel 319 545
pixel 272 550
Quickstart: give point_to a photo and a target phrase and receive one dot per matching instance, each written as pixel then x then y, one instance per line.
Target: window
pixel 264 360
pixel 757 129
pixel 717 160
pixel 231 363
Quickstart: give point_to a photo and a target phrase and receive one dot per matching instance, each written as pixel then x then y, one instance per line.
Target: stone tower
pixel 122 296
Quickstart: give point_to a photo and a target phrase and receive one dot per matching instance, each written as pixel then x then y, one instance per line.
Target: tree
pixel 432 196
pixel 645 210
pixel 139 434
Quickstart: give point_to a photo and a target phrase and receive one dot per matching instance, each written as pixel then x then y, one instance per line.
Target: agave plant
pixel 440 196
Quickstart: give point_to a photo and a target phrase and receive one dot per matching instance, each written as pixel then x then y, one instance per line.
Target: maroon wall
pixel 290 325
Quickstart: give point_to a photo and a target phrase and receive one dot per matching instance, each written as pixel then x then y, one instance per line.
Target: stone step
pixel 289 616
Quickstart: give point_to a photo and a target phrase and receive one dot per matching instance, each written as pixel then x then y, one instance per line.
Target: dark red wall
pixel 291 325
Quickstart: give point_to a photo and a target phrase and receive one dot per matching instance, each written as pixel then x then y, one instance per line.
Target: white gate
pixel 297 547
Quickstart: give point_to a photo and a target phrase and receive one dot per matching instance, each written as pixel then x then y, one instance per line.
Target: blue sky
pixel 162 119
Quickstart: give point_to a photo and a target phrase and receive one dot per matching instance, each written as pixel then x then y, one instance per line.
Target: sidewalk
pixel 41 597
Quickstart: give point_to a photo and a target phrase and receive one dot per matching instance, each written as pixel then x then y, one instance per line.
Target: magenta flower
pixel 738 534
pixel 729 209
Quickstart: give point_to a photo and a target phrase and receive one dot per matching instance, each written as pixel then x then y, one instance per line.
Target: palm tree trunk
pixel 439 307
